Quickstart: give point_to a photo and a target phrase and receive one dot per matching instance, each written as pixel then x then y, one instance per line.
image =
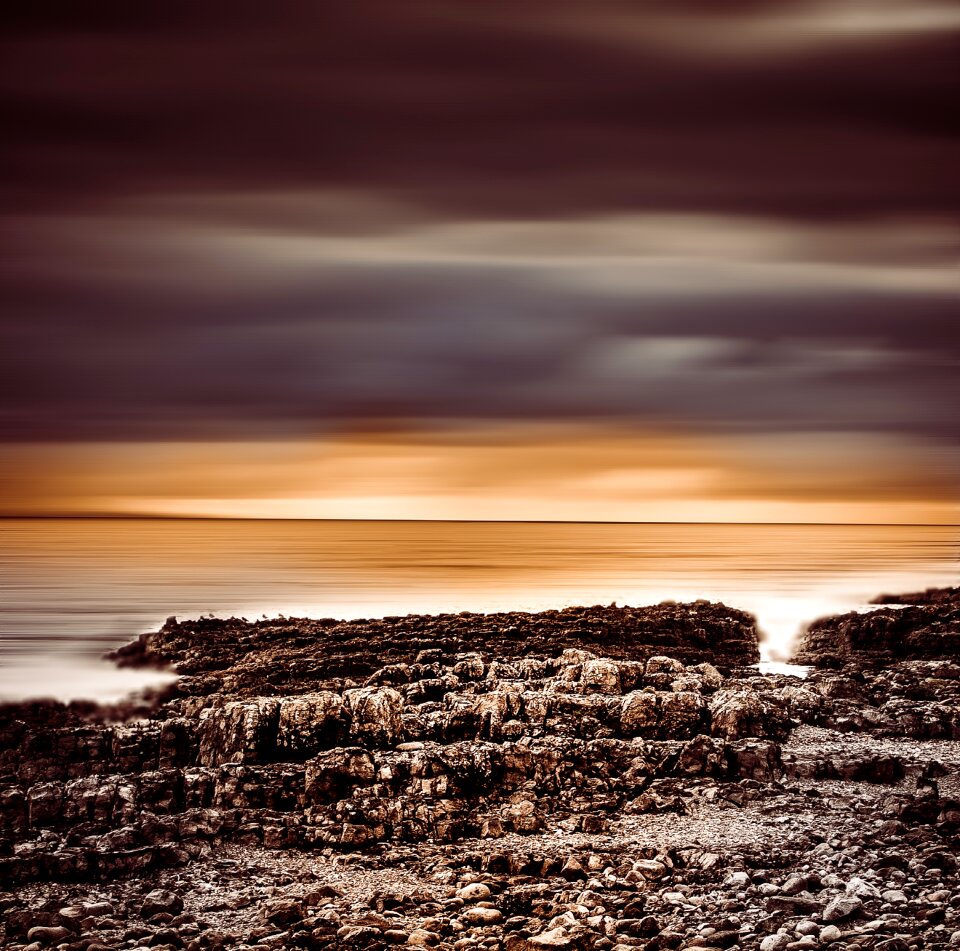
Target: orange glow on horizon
pixel 544 473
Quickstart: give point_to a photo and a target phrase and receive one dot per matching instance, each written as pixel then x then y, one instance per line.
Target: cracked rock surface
pixel 603 778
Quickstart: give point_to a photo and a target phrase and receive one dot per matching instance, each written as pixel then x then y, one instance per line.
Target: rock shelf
pixel 594 778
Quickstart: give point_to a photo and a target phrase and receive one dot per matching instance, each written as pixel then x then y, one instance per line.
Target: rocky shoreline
pixel 593 778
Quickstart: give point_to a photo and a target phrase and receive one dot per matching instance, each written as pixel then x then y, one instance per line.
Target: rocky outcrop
pixel 924 626
pixel 454 797
pixel 267 658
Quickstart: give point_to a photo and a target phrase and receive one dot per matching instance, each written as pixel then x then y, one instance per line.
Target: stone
pixel 282 911
pixel 478 915
pixel 584 779
pixel 310 723
pixel 71 917
pixel 475 891
pixel 650 869
pixel 681 714
pixel 421 938
pixel 166 938
pixel 555 938
pixel 358 936
pixel 600 676
pixel 664 665
pixel 47 935
pixel 737 714
pixel 862 889
pixel 639 715
pixel 376 714
pixel 774 942
pixel 842 908
pixel 795 884
pixel 160 901
pixel 238 732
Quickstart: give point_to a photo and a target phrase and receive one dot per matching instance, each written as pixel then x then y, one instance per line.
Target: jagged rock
pixel 755 759
pixel 681 714
pixel 282 911
pixel 310 723
pixel 376 714
pixel 239 732
pixel 927 626
pixel 710 677
pixel 842 907
pixel 161 901
pixel 600 676
pixel 285 649
pixel 663 665
pixel 639 714
pixel 556 938
pixel 332 774
pixel 736 714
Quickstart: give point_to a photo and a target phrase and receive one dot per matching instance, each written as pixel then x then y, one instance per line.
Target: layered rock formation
pixel 605 778
pixel 921 626
pixel 272 657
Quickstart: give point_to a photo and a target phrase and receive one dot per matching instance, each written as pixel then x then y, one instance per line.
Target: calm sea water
pixel 72 589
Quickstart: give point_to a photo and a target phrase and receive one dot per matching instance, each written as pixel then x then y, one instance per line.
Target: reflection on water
pixel 72 589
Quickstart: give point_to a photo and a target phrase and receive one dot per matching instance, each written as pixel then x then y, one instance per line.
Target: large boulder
pixel 737 713
pixel 333 774
pixel 640 714
pixel 376 715
pixel 243 731
pixel 311 723
pixel 600 676
pixel 681 714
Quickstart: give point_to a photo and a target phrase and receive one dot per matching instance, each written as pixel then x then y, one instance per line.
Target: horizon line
pixel 117 516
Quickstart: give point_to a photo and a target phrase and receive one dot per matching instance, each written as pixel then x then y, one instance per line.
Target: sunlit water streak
pixel 72 589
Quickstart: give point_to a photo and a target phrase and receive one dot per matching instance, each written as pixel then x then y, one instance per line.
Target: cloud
pixel 434 215
pixel 555 109
pixel 209 324
pixel 756 30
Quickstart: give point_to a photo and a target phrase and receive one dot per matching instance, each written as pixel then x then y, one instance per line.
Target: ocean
pixel 71 589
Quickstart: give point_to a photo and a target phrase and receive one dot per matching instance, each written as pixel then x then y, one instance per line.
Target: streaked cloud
pixel 433 217
pixel 755 30
pixel 555 471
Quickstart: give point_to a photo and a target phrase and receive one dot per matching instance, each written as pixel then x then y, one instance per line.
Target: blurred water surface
pixel 71 589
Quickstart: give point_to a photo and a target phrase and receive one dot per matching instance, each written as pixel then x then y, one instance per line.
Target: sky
pixel 584 259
